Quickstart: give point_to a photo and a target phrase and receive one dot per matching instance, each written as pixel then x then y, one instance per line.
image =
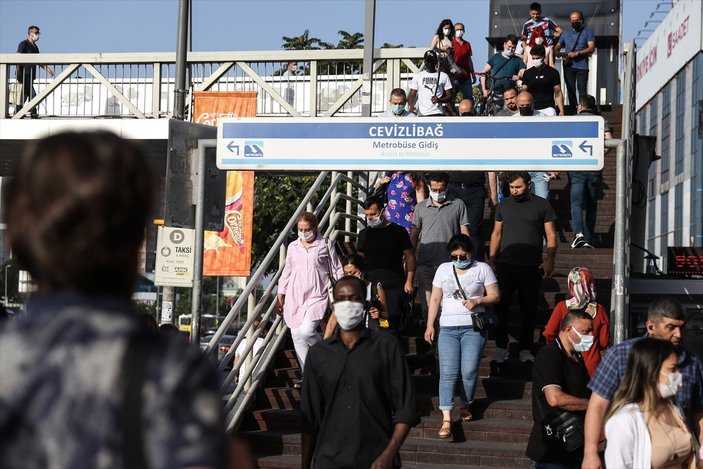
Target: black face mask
pixel 522 197
pixel 577 25
pixel 526 111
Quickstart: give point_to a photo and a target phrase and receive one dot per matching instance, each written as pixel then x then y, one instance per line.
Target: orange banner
pixel 228 253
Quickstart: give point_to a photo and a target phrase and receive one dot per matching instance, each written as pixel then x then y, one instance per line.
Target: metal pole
pixel 6 300
pixel 367 66
pixel 181 57
pixel 199 241
pixel 620 278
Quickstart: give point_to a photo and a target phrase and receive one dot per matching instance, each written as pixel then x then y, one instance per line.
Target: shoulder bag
pixel 566 60
pixel 482 321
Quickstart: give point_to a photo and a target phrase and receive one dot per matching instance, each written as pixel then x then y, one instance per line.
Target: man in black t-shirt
pixel 544 83
pixel 559 383
pixel 389 256
pixel 27 73
pixel 522 221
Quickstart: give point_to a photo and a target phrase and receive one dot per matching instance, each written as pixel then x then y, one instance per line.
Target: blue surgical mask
pixel 508 53
pixel 438 196
pixel 398 109
pixel 462 264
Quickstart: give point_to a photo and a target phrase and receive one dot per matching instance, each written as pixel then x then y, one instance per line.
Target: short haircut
pixel 588 102
pixel 572 316
pixel 535 6
pixel 515 175
pixel 32 28
pixel 371 201
pixel 438 176
pixel 77 210
pixel 511 38
pixel 360 284
pixel 400 92
pixel 538 50
pixel 510 88
pixel 308 217
pixel 666 307
pixel 459 241
pixel 577 11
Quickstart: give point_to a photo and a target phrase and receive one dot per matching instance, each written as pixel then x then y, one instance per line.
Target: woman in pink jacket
pixel 303 297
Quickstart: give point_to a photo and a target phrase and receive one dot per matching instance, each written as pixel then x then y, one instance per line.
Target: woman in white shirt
pixel 462 286
pixel 644 428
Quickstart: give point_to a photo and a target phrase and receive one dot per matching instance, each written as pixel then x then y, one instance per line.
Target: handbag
pixel 483 320
pixel 15 94
pixel 566 427
pixel 566 60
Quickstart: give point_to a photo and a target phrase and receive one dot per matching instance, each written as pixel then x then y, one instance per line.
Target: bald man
pixel 466 108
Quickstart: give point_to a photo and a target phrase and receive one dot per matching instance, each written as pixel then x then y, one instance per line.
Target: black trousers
pixel 526 280
pixel 474 198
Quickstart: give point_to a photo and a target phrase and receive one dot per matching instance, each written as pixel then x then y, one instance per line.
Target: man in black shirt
pixel 27 73
pixel 544 83
pixel 470 186
pixel 522 222
pixel 386 247
pixel 358 400
pixel 559 380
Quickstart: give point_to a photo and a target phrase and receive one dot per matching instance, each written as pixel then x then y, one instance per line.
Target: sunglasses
pixel 460 257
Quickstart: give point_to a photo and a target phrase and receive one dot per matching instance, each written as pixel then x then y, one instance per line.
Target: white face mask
pixel 584 345
pixel 374 222
pixel 459 34
pixel 349 314
pixel 447 31
pixel 438 196
pixel 306 235
pixel 537 62
pixel 674 380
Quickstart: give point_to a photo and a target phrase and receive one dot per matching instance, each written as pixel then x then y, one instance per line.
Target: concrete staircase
pixel 498 435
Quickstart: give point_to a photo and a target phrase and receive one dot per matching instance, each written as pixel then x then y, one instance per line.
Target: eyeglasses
pixel 460 257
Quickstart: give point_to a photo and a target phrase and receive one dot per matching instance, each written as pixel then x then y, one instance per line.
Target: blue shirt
pixel 610 372
pixel 567 41
pixel 501 69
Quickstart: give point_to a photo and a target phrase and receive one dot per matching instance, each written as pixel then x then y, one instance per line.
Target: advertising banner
pixel 675 41
pixel 228 253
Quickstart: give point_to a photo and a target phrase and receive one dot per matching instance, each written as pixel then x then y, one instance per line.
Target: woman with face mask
pixel 644 428
pixel 581 286
pixel 376 316
pixel 460 287
pixel 303 296
pixel 442 40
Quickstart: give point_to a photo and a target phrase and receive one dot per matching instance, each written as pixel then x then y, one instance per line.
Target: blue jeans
pixel 540 187
pixel 585 188
pixel 460 350
pixel 466 88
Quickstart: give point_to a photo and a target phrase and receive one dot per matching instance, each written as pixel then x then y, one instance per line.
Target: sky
pixel 219 25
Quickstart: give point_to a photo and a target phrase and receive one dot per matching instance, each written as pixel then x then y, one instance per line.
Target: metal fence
pixel 296 83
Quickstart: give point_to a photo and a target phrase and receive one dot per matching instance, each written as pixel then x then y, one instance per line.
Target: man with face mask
pixel 666 318
pixel 522 222
pixel 575 47
pixel 544 83
pixel 397 102
pixel 27 73
pixel 540 179
pixel 389 256
pixel 435 221
pixel 559 383
pixel 430 88
pixel 503 68
pixel 358 401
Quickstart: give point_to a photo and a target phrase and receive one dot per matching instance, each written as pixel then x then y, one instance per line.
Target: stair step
pixel 477 431
pixel 464 454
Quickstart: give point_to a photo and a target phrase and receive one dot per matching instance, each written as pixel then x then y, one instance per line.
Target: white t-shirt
pixel 473 283
pixel 427 84
pixel 240 350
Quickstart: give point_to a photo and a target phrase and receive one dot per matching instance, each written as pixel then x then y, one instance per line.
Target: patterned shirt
pixel 61 391
pixel 689 398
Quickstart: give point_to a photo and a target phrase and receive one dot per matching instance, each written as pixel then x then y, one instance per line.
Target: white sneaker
pixel 500 355
pixel 578 241
pixel 526 356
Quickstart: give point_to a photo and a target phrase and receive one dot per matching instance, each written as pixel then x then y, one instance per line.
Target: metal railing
pixel 141 85
pixel 262 308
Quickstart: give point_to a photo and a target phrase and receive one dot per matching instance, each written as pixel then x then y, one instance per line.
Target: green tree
pixel 304 42
pixel 350 41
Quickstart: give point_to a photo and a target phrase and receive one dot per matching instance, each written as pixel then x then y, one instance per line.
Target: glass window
pixel 666 130
pixel 664 226
pixel 680 109
pixel 678 215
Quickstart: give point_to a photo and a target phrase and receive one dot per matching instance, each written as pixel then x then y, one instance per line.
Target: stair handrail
pixel 257 364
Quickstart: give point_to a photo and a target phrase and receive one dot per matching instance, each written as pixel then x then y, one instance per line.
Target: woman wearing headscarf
pixel 582 297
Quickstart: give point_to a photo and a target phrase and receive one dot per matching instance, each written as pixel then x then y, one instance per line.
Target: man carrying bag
pixel 560 395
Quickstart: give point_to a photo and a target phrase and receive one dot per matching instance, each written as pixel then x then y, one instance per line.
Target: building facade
pixel 670 107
